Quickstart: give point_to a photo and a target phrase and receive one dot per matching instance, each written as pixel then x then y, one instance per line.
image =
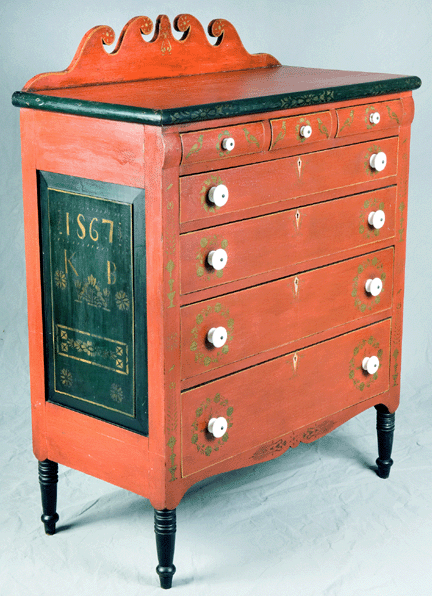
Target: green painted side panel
pixel 93 264
pixel 198 113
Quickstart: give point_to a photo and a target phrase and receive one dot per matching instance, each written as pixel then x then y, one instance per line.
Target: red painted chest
pixel 215 250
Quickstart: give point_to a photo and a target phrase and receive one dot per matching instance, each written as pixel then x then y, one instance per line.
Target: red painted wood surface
pixel 161 192
pixel 399 269
pixel 264 317
pixel 266 401
pixel 97 448
pixel 164 55
pixel 280 180
pixel 67 437
pixel 89 147
pixel 286 131
pixel 355 120
pixel 34 291
pixel 206 145
pixel 274 241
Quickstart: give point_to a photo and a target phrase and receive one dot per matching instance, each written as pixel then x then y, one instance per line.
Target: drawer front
pixel 207 145
pixel 268 243
pixel 283 179
pixel 357 120
pixel 269 400
pixel 289 132
pixel 274 314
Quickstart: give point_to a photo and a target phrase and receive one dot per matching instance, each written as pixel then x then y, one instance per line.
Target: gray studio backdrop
pixel 316 521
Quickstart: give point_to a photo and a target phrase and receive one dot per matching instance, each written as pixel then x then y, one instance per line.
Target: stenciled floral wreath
pixel 371 151
pixel 212 408
pixel 206 245
pixel 361 383
pixel 205 357
pixel 368 206
pixel 363 306
pixel 213 180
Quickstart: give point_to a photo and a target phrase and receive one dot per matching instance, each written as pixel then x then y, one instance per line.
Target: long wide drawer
pixel 282 179
pixel 271 315
pixel 267 401
pixel 270 242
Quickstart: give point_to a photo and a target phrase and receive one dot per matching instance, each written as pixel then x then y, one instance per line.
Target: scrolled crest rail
pixel 135 58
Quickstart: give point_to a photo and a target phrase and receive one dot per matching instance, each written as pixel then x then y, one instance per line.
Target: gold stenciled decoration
pixel 205 357
pixel 66 378
pixel 210 408
pixel 90 292
pixel 356 373
pixel 206 245
pixel 122 300
pixel 116 393
pixel 60 279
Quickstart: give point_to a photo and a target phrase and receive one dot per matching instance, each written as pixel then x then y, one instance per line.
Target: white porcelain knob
pixel 374 118
pixel 218 195
pixel 374 286
pixel 217 336
pixel 376 219
pixel 306 131
pixel 217 427
pixel 371 365
pixel 217 259
pixel 228 144
pixel 378 161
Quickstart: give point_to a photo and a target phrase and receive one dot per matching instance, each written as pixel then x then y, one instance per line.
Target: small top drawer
pixel 222 143
pixel 300 130
pixel 365 118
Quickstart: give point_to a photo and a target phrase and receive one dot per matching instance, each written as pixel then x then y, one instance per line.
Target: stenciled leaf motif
pixel 348 121
pixel 196 146
pixel 393 115
pixel 250 137
pixel 322 128
pixel 281 134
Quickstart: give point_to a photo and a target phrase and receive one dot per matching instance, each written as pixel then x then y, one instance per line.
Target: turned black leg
pixel 165 529
pixel 48 478
pixel 385 431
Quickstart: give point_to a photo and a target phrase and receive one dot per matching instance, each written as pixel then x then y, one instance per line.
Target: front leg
pixel 48 478
pixel 165 529
pixel 385 432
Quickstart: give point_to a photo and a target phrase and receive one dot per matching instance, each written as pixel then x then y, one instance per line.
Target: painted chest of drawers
pixel 215 250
